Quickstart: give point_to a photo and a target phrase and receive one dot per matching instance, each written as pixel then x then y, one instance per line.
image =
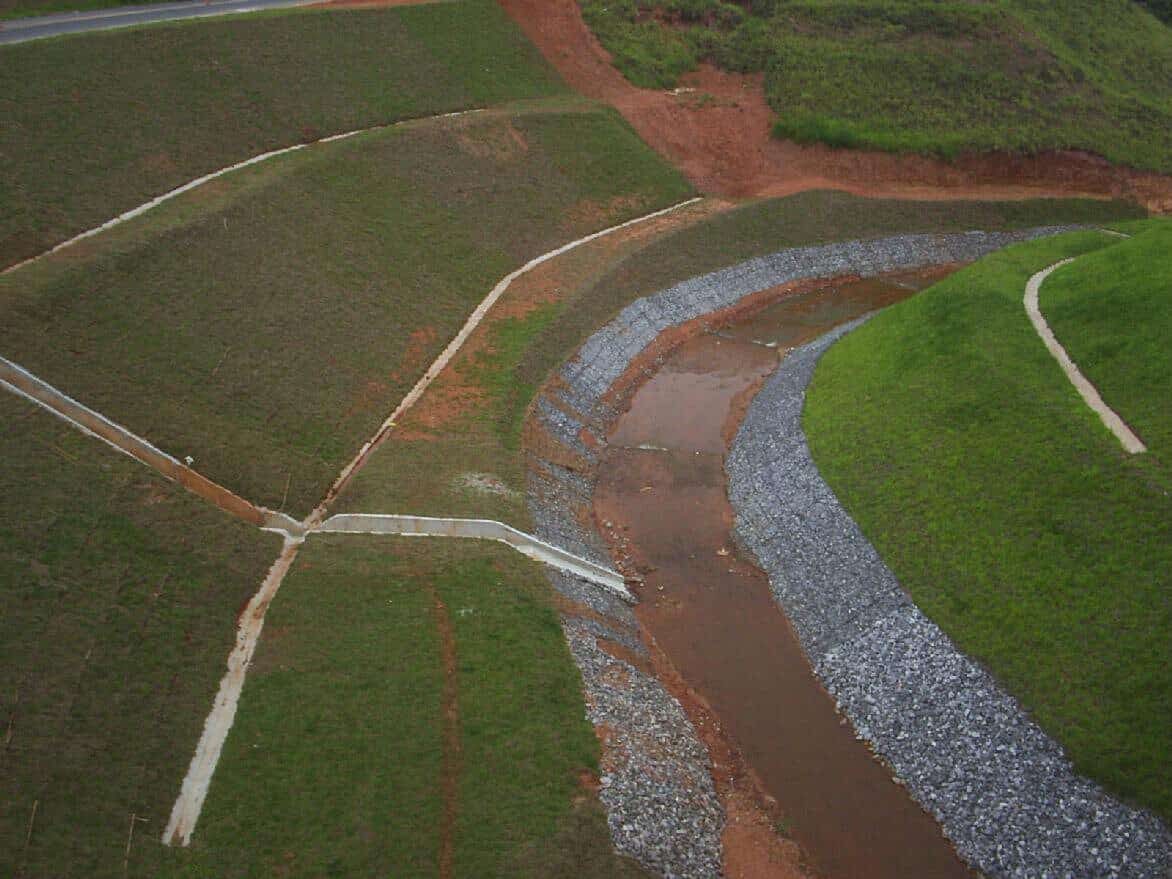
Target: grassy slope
pixel 1009 512
pixel 914 75
pixel 93 125
pixel 118 603
pixel 419 472
pixel 1112 311
pixel 269 333
pixel 333 767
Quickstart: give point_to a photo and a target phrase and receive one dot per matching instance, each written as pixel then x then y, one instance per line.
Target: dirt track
pixel 724 146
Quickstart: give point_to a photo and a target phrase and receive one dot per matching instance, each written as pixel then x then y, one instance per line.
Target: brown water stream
pixel 661 499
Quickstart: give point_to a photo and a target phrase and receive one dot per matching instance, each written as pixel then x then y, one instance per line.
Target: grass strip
pixel 333 767
pixel 118 607
pixel 1008 511
pixel 269 353
pixel 96 124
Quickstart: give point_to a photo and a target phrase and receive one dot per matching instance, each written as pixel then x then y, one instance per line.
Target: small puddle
pixel 661 496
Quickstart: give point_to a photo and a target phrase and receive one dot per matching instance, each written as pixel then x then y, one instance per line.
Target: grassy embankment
pixel 334 766
pixel 118 607
pixel 923 76
pixel 25 8
pixel 268 326
pixel 1007 510
pixel 318 285
pixel 425 465
pixel 96 124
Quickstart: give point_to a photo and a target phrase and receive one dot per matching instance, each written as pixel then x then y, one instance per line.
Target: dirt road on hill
pixel 715 128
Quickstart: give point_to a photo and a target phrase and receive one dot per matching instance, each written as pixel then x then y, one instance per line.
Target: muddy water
pixel 662 502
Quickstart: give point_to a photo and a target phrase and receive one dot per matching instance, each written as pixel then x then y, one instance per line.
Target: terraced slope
pixel 96 124
pixel 267 323
pixel 923 76
pixel 1005 507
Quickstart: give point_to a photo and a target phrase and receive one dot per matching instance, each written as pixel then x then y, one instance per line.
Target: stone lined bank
pixel 657 787
pixel 1003 791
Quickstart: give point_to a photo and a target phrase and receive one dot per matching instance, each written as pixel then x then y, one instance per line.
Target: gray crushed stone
pixel 1003 791
pixel 662 806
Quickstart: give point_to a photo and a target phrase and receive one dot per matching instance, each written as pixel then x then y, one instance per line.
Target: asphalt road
pixel 19 30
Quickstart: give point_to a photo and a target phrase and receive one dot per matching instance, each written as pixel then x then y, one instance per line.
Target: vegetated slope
pixel 269 330
pixel 469 423
pixel 118 600
pixel 93 125
pixel 1112 311
pixel 337 762
pixel 930 77
pixel 1007 509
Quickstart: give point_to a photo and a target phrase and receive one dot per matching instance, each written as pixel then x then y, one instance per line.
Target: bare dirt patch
pixel 723 144
pixel 450 781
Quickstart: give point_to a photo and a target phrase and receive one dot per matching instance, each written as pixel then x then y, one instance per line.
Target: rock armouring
pixel 662 805
pixel 1003 791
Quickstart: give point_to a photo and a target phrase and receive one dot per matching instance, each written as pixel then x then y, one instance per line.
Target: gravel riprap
pixel 1003 791
pixel 662 805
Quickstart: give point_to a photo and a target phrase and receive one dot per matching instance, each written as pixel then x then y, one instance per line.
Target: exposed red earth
pixel 723 143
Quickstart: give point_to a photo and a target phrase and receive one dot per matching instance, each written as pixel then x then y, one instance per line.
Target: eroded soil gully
pixel 724 145
pixel 661 503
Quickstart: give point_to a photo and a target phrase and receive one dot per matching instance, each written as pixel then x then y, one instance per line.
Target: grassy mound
pixel 118 602
pixel 267 325
pixel 920 75
pixel 96 124
pixel 334 767
pixel 1003 505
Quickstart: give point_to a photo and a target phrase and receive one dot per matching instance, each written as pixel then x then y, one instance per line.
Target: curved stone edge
pixel 657 786
pixel 1004 792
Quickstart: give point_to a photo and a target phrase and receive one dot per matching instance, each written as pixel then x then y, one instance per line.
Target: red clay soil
pixel 724 146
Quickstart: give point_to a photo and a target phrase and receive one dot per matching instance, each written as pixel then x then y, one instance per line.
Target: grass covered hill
pixel 1002 503
pixel 920 75
pixel 95 124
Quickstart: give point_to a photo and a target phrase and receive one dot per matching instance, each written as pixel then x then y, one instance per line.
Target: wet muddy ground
pixel 661 502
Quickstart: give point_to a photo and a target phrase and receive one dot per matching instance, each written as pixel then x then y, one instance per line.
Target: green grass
pixel 96 124
pixel 424 471
pixel 1007 510
pixel 25 8
pixel 334 765
pixel 118 601
pixel 929 77
pixel 1112 311
pixel 268 326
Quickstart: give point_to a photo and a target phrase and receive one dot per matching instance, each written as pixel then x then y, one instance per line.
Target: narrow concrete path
pixel 21 30
pixel 1090 395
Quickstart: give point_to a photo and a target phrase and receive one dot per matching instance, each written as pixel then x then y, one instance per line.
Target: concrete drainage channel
pixel 972 746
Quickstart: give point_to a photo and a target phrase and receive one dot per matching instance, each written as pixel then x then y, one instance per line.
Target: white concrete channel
pixel 1090 395
pixel 481 529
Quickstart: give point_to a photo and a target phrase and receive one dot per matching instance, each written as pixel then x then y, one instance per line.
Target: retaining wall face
pixel 1004 792
pixel 664 812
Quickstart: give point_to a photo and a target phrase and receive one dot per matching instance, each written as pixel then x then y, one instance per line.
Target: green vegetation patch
pixel 93 125
pixel 1006 508
pixel 268 332
pixel 334 765
pixel 1112 311
pixel 25 8
pixel 921 75
pixel 118 601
